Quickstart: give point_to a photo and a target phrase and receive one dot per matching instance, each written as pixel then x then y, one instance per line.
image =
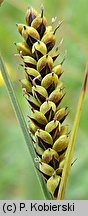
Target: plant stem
pixel 70 149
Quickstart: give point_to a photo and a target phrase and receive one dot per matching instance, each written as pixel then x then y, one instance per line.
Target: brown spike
pixel 42 10
pixel 64 58
pixel 59 24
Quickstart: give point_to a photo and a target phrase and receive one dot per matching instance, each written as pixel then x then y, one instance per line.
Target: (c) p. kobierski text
pixel 52 207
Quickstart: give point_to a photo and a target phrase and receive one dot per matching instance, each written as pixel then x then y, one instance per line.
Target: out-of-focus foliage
pixel 17 177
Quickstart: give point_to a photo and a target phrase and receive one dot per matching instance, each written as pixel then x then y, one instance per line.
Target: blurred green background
pixel 17 176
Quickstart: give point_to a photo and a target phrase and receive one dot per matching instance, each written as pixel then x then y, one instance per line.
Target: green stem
pixel 70 150
pixel 23 126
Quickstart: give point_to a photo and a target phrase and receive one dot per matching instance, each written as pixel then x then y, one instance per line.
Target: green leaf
pixel 70 150
pixel 23 126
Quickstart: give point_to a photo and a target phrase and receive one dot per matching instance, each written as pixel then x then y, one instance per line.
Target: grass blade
pixel 70 149
pixel 23 126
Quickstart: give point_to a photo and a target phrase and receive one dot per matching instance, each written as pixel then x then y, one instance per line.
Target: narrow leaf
pixel 70 150
pixel 23 126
